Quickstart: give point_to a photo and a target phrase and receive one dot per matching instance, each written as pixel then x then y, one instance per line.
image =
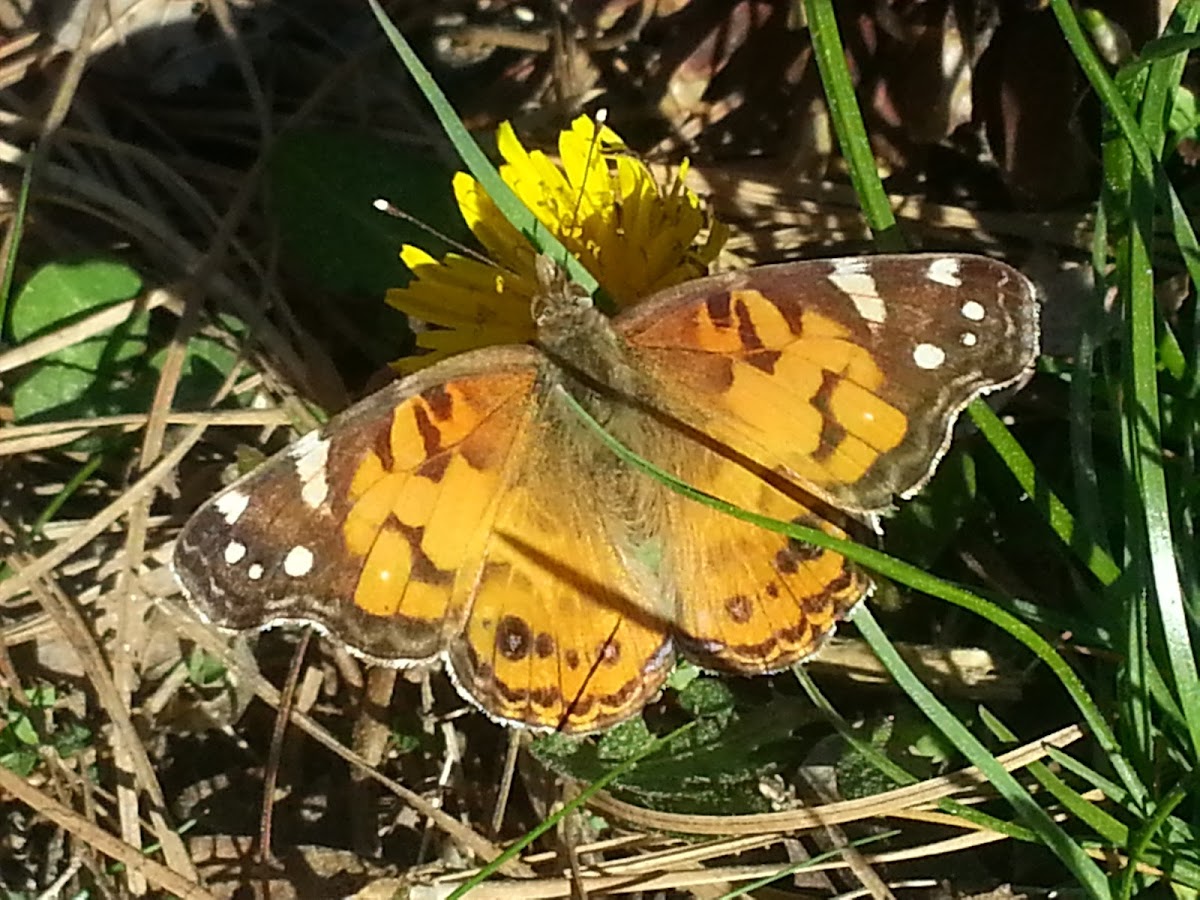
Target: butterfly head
pixel 557 298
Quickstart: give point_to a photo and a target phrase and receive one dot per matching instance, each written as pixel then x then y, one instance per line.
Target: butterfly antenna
pixel 389 208
pixel 600 118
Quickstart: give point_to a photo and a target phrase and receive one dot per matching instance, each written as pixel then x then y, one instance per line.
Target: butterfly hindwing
pixel 746 600
pixel 569 625
pixel 844 376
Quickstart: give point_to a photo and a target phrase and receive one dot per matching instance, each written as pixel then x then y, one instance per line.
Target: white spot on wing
pixel 944 271
pixel 231 506
pixel 298 562
pixel 255 572
pixel 311 453
pixel 969 339
pixel 850 276
pixel 973 310
pixel 928 356
pixel 234 552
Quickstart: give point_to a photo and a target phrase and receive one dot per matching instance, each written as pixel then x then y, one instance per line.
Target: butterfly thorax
pixel 581 341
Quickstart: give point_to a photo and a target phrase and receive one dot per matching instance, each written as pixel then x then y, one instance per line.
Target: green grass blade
pixel 1111 829
pixel 1018 462
pixel 1080 414
pixel 883 763
pixel 1079 863
pixel 848 123
pixel 1141 843
pixel 1134 719
pixel 856 148
pixel 894 569
pixel 1168 45
pixel 1148 168
pixel 1144 419
pixel 477 162
pixel 1111 789
pixel 868 751
pixel 1166 74
pixel 74 483
pixel 801 865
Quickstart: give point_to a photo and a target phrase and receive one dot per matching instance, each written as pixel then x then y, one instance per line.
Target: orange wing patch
pixel 787 387
pixel 844 376
pixel 426 486
pixel 363 528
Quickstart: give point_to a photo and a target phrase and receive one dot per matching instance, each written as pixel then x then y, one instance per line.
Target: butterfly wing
pixel 799 386
pixel 843 376
pixel 363 527
pixel 465 512
pixel 451 512
pixel 746 600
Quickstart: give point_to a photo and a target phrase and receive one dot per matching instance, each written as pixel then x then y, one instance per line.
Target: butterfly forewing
pixel 461 512
pixel 844 376
pixel 362 528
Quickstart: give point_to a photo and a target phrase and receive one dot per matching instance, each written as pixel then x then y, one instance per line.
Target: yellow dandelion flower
pixel 634 235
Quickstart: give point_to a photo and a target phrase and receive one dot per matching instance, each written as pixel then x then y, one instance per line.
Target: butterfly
pixel 468 513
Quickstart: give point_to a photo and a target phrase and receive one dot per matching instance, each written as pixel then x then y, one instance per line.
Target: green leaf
pixel 915 740
pixel 858 766
pixel 42 696
pixel 623 741
pixel 707 697
pixel 54 391
pixel 1185 115
pixel 323 185
pixel 204 669
pixel 682 675
pixel 71 739
pixel 108 373
pixel 205 366
pixel 20 763
pixel 22 729
pixel 59 293
pixel 716 767
pixel 402 742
